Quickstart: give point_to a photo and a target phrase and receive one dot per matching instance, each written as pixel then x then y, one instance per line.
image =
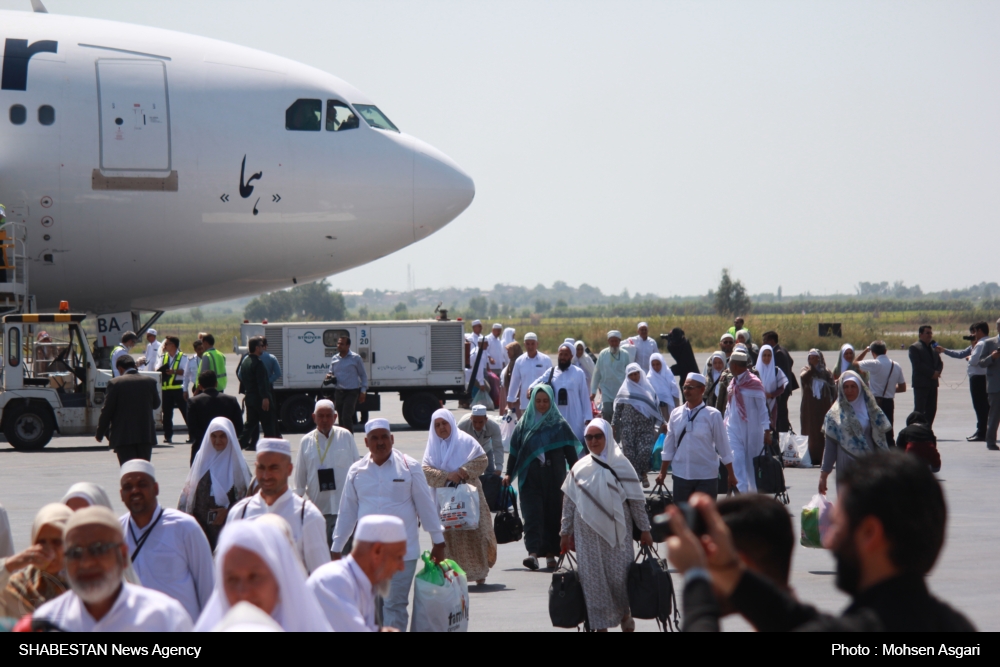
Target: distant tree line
pixel 313 301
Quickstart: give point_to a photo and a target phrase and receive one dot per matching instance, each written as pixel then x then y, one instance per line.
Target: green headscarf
pixel 536 434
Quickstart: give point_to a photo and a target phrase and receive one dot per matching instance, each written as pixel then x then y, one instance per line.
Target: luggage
pixel 651 590
pixel 567 607
pixel 795 450
pixel 492 488
pixel 458 506
pixel 507 524
pixel 656 504
pixel 656 460
pixel 770 476
pixel 723 479
pixel 815 522
pixel 440 598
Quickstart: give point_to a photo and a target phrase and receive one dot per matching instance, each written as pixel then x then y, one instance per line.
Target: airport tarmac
pixel 515 599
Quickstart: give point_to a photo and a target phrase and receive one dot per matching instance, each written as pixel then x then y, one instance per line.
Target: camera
pixel 691 517
pixel 968 338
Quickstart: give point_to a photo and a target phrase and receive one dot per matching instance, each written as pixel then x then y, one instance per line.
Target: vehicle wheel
pixel 418 408
pixel 296 414
pixel 28 428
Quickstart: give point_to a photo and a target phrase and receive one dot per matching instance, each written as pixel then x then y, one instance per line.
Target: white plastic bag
pixel 507 424
pixel 480 397
pixel 795 450
pixel 815 522
pixel 441 607
pixel 459 507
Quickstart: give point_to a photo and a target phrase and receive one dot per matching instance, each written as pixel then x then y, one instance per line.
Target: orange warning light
pixel 64 306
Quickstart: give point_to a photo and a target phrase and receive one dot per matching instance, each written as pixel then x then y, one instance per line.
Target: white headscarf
pixel 716 374
pixel 598 496
pixel 297 609
pixel 507 337
pixel 844 365
pixel 768 372
pixel 664 383
pixel 640 395
pixel 90 492
pixel 583 361
pixel 228 468
pixel 451 454
pixel 859 404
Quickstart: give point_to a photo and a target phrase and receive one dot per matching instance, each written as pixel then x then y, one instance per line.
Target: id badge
pixel 326 481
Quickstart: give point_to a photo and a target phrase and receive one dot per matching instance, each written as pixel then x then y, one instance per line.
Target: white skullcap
pixel 497 325
pixel 276 445
pixel 725 336
pixel 150 331
pixel 740 357
pixel 568 346
pixel 641 325
pixel 475 322
pixel 380 528
pixel 531 336
pixel 138 465
pixel 324 403
pixel 614 333
pixel 478 410
pixel 246 617
pixel 95 515
pixel 375 424
pixel 697 377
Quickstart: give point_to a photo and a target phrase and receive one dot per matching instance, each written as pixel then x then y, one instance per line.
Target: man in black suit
pixel 208 405
pixel 925 357
pixel 784 361
pixel 257 395
pixel 128 413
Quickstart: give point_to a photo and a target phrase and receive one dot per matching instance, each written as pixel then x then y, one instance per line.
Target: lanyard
pixel 691 418
pixel 141 541
pixel 329 441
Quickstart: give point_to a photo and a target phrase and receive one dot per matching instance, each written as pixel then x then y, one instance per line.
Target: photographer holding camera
pixel 977 376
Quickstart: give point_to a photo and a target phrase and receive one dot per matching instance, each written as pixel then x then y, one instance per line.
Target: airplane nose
pixel 441 190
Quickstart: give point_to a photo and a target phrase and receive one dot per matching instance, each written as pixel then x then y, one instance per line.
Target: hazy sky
pixel 646 145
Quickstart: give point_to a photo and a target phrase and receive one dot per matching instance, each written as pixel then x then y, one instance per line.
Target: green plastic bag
pixel 815 520
pixel 440 598
pixel 433 573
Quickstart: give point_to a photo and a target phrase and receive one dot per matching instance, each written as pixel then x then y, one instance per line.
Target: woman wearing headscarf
pixel 714 369
pixel 773 379
pixel 453 456
pixel 819 391
pixel 854 427
pixel 602 499
pixel 218 479
pixel 679 348
pixel 743 336
pixel 845 362
pixel 583 360
pixel 87 494
pixel 542 447
pixel 514 351
pixel 918 439
pixel 36 575
pixel 637 420
pixel 665 385
pixel 255 563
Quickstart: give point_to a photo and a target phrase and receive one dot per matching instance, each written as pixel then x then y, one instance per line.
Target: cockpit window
pixel 375 118
pixel 339 117
pixel 304 115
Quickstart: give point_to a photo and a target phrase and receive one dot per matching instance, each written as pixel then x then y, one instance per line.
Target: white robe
pixel 338 452
pixel 497 352
pixel 526 371
pixel 136 609
pixel 346 596
pixel 576 410
pixel 152 354
pixel 307 524
pixel 746 437
pixel 644 349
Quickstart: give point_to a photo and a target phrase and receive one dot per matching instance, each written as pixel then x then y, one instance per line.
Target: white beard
pixel 382 588
pixel 100 590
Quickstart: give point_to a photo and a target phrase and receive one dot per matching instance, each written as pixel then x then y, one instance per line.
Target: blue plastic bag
pixel 656 460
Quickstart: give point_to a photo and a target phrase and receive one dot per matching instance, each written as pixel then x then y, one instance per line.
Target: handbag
pixel 656 504
pixel 507 524
pixel 770 475
pixel 651 590
pixel 567 606
pixel 492 488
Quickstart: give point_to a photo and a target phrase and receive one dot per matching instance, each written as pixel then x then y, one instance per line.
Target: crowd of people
pixel 328 539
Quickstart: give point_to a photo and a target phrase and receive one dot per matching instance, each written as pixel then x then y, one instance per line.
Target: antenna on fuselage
pixel 38 7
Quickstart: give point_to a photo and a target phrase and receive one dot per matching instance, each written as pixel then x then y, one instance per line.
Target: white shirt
pixel 527 370
pixel 307 523
pixel 644 349
pixel 190 377
pixel 114 360
pixel 337 452
pixel 574 405
pixel 175 559
pixel 398 488
pixel 152 352
pixel 883 375
pixel 136 609
pixel 704 444
pixel 497 352
pixel 346 596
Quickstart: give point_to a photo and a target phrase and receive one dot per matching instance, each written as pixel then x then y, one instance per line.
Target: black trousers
pixel 980 402
pixel 346 402
pixel 129 452
pixel 173 398
pixel 888 406
pixel 782 424
pixel 683 488
pixel 541 505
pixel 925 401
pixel 257 420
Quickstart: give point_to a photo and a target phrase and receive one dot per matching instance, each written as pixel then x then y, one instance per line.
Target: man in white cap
pixel 486 432
pixel 325 454
pixel 347 588
pixel 152 350
pixel 696 442
pixel 496 356
pixel 747 419
pixel 609 374
pixel 530 366
pixel 569 384
pixel 168 548
pixel 389 482
pixel 475 336
pixel 99 599
pixel 645 347
pixel 272 470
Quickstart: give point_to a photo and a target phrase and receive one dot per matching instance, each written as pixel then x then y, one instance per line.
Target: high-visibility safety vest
pixel 217 363
pixel 173 381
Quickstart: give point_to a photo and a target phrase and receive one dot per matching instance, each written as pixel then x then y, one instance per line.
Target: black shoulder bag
pixel 651 590
pixel 567 606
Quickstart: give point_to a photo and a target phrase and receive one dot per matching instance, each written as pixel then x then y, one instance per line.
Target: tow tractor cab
pixel 50 380
pixel 422 360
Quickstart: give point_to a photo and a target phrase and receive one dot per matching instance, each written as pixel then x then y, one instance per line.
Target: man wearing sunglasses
pixel 99 599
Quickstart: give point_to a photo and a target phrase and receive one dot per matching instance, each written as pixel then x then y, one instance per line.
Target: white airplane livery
pixel 156 170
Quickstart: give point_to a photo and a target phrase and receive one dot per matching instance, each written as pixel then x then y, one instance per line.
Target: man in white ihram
pixel 325 454
pixel 569 384
pixel 496 353
pixel 527 368
pixel 272 470
pixel 168 548
pixel 645 347
pixel 152 350
pixel 99 600
pixel 747 419
pixel 389 482
pixel 346 589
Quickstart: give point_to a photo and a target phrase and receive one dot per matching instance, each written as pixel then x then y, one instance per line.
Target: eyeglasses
pixel 593 436
pixel 95 550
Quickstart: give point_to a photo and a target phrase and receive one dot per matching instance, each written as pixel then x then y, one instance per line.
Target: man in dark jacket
pixel 784 361
pixel 888 529
pixel 128 413
pixel 257 392
pixel 925 357
pixel 208 405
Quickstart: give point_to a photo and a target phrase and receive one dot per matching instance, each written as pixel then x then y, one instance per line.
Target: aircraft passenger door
pixel 134 115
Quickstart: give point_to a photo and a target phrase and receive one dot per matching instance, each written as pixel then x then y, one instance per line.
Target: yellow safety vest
pixel 217 362
pixel 173 381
